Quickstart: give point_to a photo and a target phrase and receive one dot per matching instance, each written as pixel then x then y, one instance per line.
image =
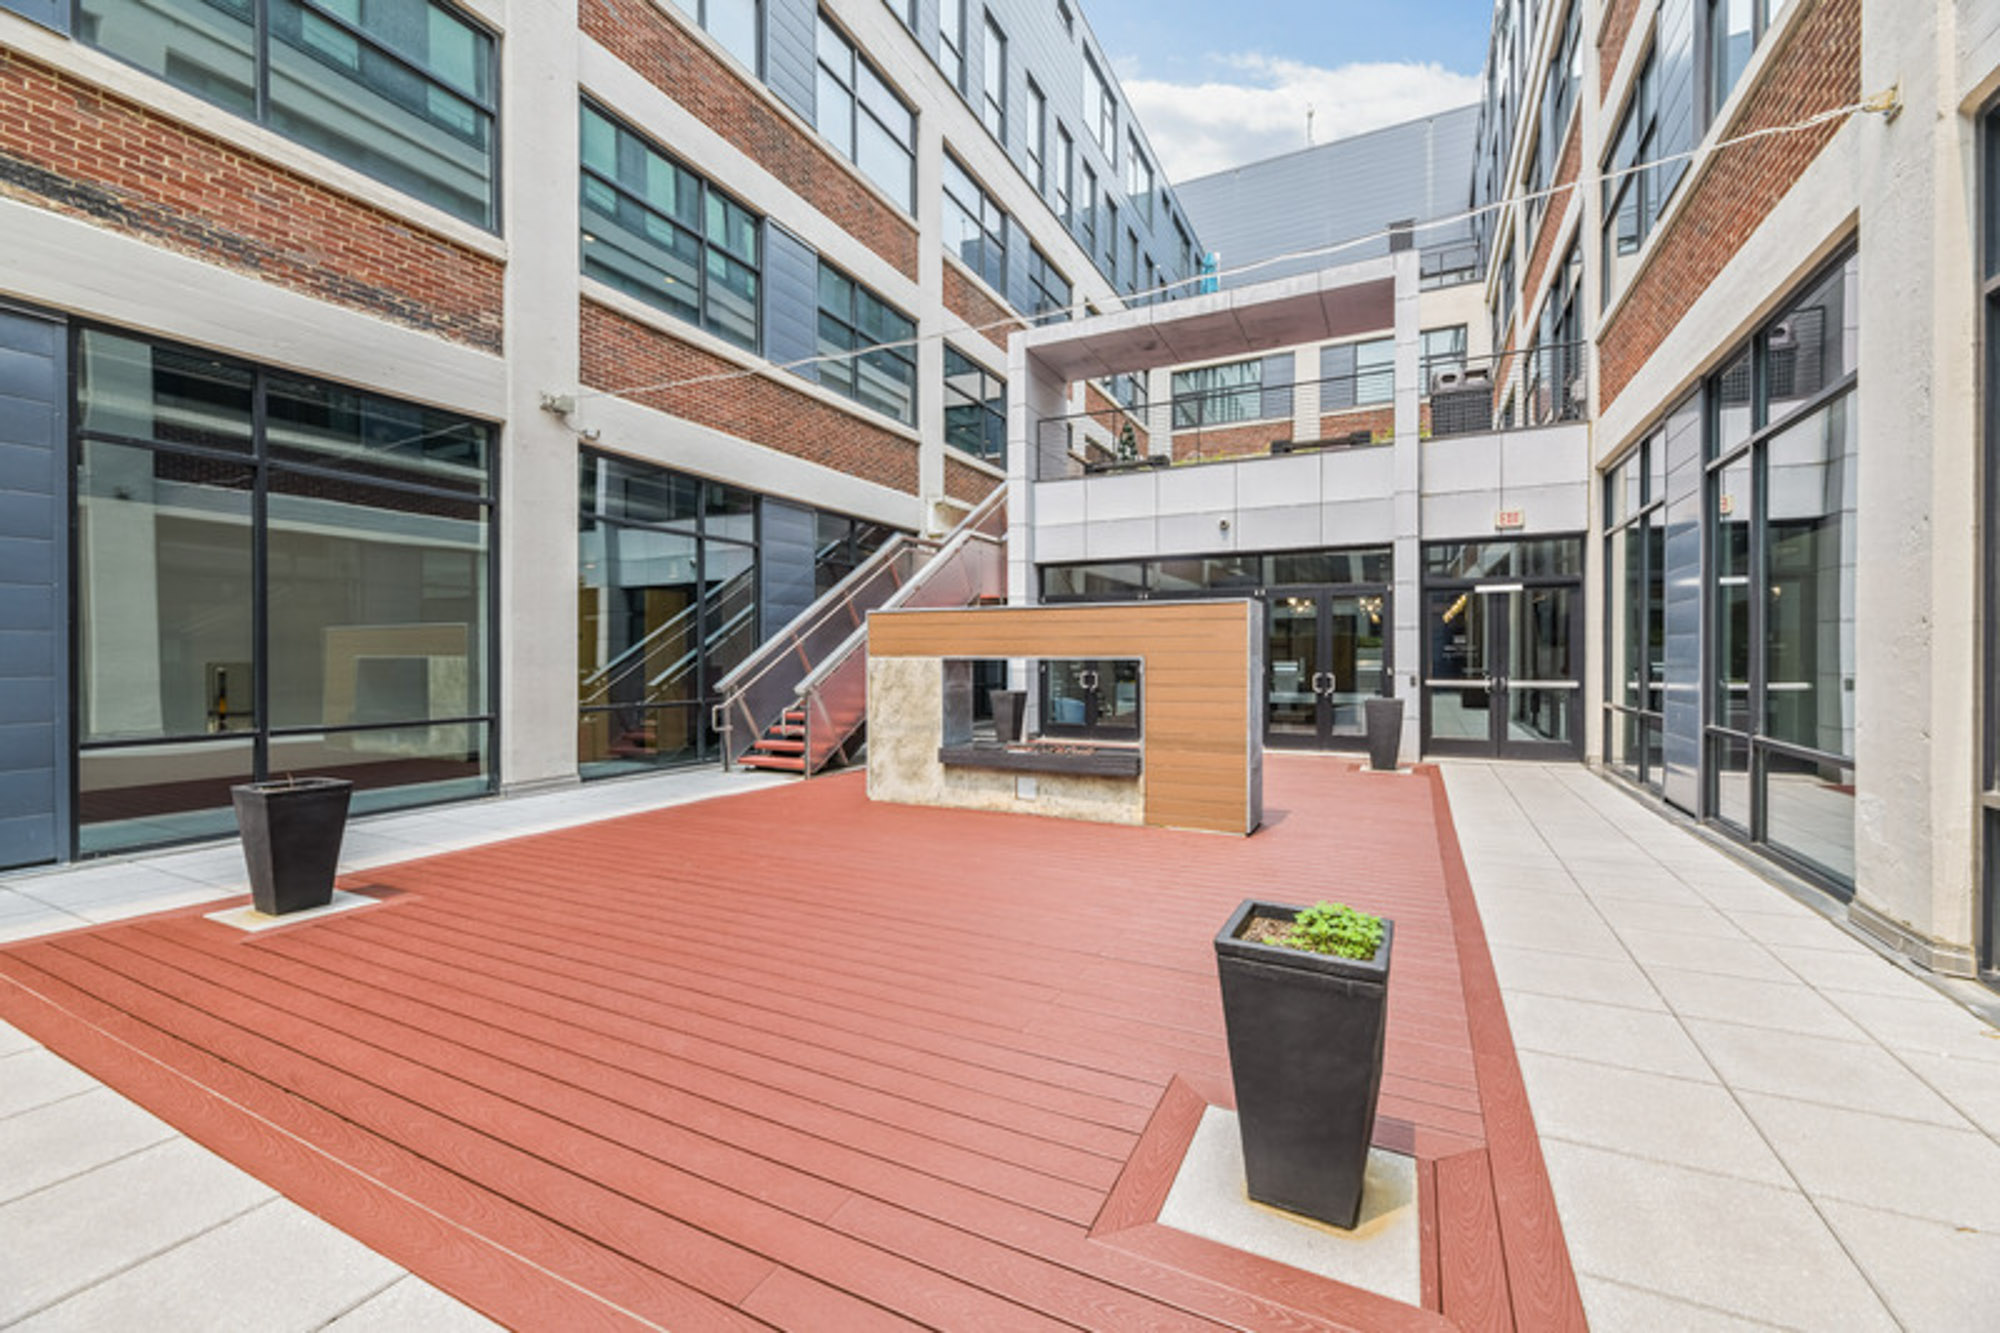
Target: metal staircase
pixel 800 702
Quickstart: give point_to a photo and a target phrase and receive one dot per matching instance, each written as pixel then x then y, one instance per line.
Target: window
pixel 656 231
pixel 1564 76
pixel 1374 372
pixel 994 107
pixel 214 496
pixel 1038 139
pixel 975 228
pixel 864 118
pixel 1131 262
pixel 975 408
pixel 1503 308
pixel 1065 17
pixel 1090 698
pixel 1731 30
pixel 1111 239
pixel 733 24
pixel 1051 289
pixel 1635 196
pixel 1443 349
pixel 1218 395
pixel 1100 109
pixel 1556 390
pixel 1184 250
pixel 951 41
pixel 852 318
pixel 1635 673
pixel 403 92
pixel 667 604
pixel 906 10
pixel 1086 215
pixel 1138 178
pixel 1065 173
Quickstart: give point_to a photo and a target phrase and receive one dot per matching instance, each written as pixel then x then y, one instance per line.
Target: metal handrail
pixel 634 657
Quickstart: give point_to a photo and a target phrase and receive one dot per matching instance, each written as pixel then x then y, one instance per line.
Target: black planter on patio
pixel 1385 733
pixel 1305 1053
pixel 1008 706
pixel 291 840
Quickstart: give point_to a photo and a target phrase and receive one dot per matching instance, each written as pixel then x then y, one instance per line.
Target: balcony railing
pixel 1540 386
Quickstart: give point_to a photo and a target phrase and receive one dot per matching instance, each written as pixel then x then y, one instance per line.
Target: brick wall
pixel 969 301
pixel 1108 414
pixel 76 149
pixel 677 64
pixel 962 481
pixel 1820 67
pixel 1230 441
pixel 1545 240
pixel 618 352
pixel 1611 41
pixel 1377 421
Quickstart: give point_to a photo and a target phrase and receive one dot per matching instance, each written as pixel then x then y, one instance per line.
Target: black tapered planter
pixel 291 840
pixel 1008 706
pixel 1385 733
pixel 1305 1053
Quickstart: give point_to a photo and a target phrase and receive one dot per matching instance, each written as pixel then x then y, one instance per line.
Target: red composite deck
pixel 796 1059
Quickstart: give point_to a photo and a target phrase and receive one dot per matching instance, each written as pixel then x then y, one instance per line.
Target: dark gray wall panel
pixel 34 509
pixel 1336 373
pixel 1019 292
pixel 48 13
pixel 1681 743
pixel 791 299
pixel 784 564
pixel 1277 386
pixel 789 65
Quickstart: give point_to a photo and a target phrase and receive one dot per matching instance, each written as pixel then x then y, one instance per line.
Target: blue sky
pixel 1219 84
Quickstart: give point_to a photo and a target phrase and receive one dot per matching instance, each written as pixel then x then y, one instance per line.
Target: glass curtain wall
pixel 1635 550
pixel 1782 451
pixel 275 575
pixel 666 605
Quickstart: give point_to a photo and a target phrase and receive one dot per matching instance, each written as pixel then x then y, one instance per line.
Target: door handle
pixel 1322 682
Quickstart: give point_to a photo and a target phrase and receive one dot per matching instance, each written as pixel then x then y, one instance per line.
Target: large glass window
pixel 1443 349
pixel 1051 289
pixel 274 575
pixel 951 41
pixel 1065 172
pixel 1218 395
pixel 1635 613
pixel 401 90
pixel 733 24
pixel 666 606
pixel 882 371
pixel 1780 517
pixel 975 408
pixel 1100 108
pixel 657 231
pixel 975 228
pixel 1138 178
pixel 1037 140
pixel 1086 213
pixel 864 118
pixel 993 103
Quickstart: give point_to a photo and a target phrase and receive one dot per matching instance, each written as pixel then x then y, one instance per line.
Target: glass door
pixel 1326 654
pixel 1503 669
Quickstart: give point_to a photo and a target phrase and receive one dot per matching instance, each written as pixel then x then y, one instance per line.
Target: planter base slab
pixel 248 918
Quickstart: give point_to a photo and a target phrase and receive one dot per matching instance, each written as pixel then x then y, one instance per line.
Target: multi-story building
pixel 445 393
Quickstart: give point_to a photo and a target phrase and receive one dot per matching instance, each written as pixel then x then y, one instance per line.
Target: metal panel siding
pixel 791 299
pixel 34 515
pixel 50 14
pixel 1337 192
pixel 784 564
pixel 1681 742
pixel 1277 386
pixel 790 66
pixel 1336 372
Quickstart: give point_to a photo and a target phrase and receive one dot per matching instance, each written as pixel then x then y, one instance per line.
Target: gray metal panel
pixel 34 516
pixel 790 67
pixel 784 564
pixel 1681 743
pixel 1019 292
pixel 1278 376
pixel 791 299
pixel 1336 373
pixel 1322 196
pixel 50 14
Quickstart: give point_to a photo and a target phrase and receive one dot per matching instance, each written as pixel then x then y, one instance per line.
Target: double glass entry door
pixel 1503 670
pixel 1327 653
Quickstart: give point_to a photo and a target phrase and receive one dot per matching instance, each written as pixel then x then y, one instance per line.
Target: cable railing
pixel 1539 386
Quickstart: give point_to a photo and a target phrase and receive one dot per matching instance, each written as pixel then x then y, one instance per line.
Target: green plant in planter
pixel 1335 928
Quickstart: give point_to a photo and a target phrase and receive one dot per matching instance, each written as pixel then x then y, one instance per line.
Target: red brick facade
pixel 673 61
pixel 1819 68
pixel 1611 41
pixel 962 481
pixel 1379 422
pixel 969 301
pixel 78 150
pixel 1108 414
pixel 618 352
pixel 1230 441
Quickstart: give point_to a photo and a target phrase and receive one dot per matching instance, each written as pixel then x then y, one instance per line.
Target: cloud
pixel 1197 128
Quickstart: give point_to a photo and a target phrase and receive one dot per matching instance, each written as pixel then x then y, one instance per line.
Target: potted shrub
pixel 1304 1001
pixel 291 840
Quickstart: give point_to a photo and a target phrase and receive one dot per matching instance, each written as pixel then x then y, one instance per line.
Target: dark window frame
pixel 862 347
pixel 904 191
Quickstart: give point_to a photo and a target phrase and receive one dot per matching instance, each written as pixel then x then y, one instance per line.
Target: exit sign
pixel 1510 518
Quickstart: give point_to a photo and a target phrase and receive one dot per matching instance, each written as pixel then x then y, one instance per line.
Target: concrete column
pixel 1409 486
pixel 1305 392
pixel 933 317
pixel 1916 605
pixel 1160 411
pixel 538 449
